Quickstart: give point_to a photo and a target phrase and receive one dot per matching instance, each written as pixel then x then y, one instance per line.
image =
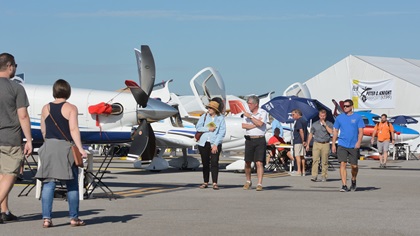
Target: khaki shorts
pixel 299 150
pixel 11 158
pixel 383 146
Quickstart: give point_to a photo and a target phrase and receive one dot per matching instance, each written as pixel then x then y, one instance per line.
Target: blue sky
pixel 257 46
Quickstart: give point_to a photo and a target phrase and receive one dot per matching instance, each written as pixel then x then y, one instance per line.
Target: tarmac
pixel 170 203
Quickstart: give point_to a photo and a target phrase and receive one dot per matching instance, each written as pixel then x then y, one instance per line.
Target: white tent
pixel 380 84
pixel 401 76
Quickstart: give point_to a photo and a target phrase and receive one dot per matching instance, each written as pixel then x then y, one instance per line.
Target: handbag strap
pixel 57 124
pixel 205 116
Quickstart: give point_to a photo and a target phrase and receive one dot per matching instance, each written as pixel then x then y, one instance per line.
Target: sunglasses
pixel 346 105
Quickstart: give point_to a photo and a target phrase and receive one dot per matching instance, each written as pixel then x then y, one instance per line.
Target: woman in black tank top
pixel 59 126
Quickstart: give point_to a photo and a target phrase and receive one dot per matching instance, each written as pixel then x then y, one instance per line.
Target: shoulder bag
pixel 197 135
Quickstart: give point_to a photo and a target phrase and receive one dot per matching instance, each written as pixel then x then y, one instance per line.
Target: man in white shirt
pixel 255 123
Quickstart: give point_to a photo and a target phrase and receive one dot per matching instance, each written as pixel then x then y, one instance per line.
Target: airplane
pixel 107 117
pixel 180 129
pixel 211 85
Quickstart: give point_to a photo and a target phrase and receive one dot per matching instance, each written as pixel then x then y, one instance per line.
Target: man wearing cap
pixel 254 123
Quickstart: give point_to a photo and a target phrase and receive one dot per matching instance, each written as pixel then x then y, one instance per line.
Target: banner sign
pixel 373 94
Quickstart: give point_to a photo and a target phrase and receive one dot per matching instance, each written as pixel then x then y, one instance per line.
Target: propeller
pixel 144 140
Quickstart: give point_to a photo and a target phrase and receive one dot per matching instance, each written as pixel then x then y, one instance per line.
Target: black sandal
pixel 215 187
pixel 204 186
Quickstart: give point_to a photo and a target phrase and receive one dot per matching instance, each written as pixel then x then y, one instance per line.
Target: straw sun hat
pixel 214 105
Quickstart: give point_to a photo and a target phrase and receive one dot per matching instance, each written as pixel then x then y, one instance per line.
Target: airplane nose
pixel 156 110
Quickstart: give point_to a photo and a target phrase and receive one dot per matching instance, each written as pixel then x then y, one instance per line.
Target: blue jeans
pixel 72 196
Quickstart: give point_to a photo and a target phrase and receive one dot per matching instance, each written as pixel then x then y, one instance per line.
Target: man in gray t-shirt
pixel 13 120
pixel 321 131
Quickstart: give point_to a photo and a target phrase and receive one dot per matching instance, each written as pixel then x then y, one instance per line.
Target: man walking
pixel 321 131
pixel 254 123
pixel 14 120
pixel 351 127
pixel 385 132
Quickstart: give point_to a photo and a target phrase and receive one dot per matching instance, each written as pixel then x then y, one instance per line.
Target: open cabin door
pixel 207 84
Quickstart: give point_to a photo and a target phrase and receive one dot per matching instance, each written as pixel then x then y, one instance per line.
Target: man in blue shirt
pixel 276 124
pixel 351 127
pixel 300 134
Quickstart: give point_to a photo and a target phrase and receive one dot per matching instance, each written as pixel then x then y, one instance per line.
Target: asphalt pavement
pixel 170 203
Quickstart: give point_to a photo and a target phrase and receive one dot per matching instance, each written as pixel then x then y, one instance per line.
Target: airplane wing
pixel 174 141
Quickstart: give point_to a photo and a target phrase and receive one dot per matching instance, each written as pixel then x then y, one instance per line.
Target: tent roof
pixel 405 69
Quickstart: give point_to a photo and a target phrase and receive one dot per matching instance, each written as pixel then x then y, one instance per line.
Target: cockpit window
pixel 365 120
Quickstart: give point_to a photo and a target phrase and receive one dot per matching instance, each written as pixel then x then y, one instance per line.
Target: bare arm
pixel 44 114
pixel 373 136
pixel 255 121
pixel 394 136
pixel 359 138
pixel 309 141
pixel 302 136
pixel 329 129
pixel 25 123
pixel 334 140
pixel 74 129
pixel 248 126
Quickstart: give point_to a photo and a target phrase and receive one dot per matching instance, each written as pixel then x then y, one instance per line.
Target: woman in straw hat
pixel 212 124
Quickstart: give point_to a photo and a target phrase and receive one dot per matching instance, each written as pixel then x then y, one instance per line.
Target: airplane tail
pixel 338 108
pixel 264 98
pixel 297 89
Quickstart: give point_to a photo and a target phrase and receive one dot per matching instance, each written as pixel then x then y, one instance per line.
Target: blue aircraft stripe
pixel 91 136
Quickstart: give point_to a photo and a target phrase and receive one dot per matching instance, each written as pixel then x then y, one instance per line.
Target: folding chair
pixel 30 185
pixel 399 151
pixel 274 162
pixel 95 179
pixel 414 154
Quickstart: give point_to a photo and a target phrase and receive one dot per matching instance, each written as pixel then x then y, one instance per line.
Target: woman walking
pixel 59 127
pixel 212 124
